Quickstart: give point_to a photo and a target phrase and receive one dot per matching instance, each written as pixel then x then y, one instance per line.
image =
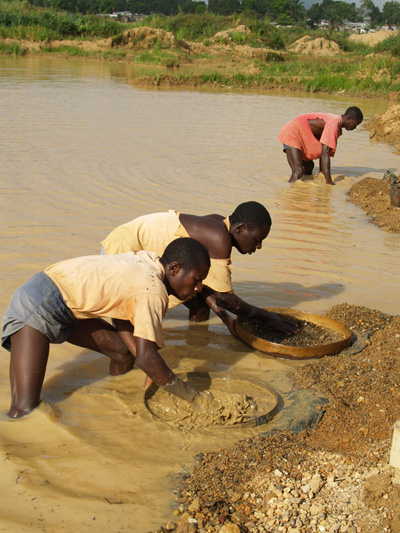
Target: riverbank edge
pixel 165 77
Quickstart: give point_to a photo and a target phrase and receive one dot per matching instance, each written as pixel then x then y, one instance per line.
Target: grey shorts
pixel 286 146
pixel 38 303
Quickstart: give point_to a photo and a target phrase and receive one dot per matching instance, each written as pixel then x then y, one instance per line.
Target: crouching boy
pixel 67 302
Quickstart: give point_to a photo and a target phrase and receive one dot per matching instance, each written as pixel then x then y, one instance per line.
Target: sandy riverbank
pixel 335 477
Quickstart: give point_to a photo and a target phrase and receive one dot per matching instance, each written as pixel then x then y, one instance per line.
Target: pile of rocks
pixel 326 493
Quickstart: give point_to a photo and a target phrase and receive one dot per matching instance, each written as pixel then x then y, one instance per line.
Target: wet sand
pixel 83 152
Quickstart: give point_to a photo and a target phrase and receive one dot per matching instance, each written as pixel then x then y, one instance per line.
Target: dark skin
pixel 30 347
pixel 212 232
pixel 300 167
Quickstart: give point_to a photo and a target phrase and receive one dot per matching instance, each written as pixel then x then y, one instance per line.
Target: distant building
pixel 356 27
pixel 124 16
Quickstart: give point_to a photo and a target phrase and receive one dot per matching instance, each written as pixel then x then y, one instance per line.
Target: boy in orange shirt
pixel 314 136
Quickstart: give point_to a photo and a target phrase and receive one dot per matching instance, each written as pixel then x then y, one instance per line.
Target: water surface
pixel 84 151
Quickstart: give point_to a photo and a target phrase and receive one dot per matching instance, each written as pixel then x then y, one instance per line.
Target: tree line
pixel 281 11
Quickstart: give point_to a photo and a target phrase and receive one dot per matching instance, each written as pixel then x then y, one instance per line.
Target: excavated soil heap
pixel 315 47
pixel 373 196
pixel 371 39
pixel 386 127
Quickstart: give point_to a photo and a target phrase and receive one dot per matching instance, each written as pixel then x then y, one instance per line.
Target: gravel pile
pixel 332 478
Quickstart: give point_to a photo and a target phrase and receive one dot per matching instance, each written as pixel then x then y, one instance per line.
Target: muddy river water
pixel 82 151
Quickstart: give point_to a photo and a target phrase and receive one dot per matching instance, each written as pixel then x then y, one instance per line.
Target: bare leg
pixel 29 354
pixel 308 167
pixel 99 336
pixel 198 309
pixel 296 164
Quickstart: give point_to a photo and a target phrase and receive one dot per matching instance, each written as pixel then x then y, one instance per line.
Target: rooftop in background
pixel 124 16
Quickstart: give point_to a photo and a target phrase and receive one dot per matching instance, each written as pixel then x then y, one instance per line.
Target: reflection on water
pixel 83 151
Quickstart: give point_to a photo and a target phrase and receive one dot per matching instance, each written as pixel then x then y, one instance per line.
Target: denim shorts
pixel 286 146
pixel 38 303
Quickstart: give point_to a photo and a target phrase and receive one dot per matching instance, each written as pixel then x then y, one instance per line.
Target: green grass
pixel 391 46
pixel 73 51
pixel 45 24
pixel 157 57
pixel 11 49
pixel 367 78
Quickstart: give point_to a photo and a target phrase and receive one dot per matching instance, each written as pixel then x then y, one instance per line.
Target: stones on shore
pixel 333 478
pixel 329 494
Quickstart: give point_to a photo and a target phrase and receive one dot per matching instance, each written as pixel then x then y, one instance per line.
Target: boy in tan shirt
pixel 245 229
pixel 67 301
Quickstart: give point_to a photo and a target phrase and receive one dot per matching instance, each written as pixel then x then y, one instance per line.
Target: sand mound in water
pixel 371 39
pixel 315 47
pixel 386 127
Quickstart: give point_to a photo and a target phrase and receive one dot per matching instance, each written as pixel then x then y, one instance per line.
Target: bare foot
pixel 147 382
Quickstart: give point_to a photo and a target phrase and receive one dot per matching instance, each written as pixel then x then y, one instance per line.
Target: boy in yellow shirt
pixel 245 229
pixel 67 302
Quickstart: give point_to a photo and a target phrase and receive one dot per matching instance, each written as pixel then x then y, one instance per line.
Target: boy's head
pixel 352 118
pixel 250 224
pixel 186 263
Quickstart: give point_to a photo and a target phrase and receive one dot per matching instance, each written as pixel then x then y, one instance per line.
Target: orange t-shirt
pixel 298 134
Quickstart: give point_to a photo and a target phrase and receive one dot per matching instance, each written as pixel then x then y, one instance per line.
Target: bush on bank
pixel 20 20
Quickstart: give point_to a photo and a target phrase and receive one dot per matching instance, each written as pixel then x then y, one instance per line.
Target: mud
pixel 224 401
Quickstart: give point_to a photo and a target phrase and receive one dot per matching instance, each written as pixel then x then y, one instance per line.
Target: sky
pixel 308 3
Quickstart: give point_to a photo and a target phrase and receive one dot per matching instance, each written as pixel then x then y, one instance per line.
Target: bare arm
pixel 325 164
pixel 210 298
pixel 237 306
pixel 150 361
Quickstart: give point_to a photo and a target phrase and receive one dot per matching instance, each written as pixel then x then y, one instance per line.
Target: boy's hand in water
pixel 199 401
pixel 205 402
pixel 180 388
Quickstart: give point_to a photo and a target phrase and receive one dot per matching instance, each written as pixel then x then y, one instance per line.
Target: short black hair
pixel 355 113
pixel 253 214
pixel 188 252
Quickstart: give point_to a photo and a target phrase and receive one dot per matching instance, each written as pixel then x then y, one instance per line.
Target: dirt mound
pixel 315 47
pixel 144 38
pixel 334 477
pixel 373 196
pixel 371 39
pixel 225 36
pixel 386 127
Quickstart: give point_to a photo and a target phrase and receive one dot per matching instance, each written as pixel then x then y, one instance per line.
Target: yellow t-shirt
pixel 154 232
pixel 128 286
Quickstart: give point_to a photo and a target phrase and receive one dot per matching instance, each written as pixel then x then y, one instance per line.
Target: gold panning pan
pixel 298 352
pixel 265 397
